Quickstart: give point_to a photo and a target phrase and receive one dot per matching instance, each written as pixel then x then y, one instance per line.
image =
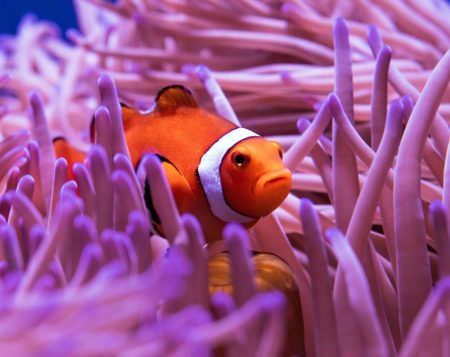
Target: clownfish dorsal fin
pixel 172 97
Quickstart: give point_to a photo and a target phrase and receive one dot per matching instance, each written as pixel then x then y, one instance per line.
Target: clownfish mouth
pixel 273 179
pixel 271 189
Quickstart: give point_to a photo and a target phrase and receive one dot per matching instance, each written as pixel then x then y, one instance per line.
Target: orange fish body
pixel 217 171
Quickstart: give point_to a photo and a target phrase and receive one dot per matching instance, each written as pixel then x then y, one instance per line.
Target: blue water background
pixel 58 11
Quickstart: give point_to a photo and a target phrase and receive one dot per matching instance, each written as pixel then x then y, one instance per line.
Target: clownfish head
pixel 244 177
pixel 254 179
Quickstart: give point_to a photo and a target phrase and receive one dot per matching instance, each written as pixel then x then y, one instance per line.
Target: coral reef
pixel 361 111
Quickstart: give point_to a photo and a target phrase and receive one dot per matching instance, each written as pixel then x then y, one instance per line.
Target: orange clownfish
pixel 217 171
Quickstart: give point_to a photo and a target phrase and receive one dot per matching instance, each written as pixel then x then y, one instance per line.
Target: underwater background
pixel 360 249
pixel 60 12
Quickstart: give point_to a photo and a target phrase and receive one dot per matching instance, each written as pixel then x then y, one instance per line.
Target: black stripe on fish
pixel 149 203
pixel 156 220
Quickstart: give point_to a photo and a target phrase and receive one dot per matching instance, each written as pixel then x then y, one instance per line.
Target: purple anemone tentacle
pixel 345 178
pixel 273 336
pixel 45 284
pixel 139 232
pixel 431 155
pixel 126 198
pixel 349 133
pixel 81 231
pixel 26 187
pixel 110 101
pixel 162 197
pixel 439 214
pixel 46 252
pixel 13 157
pixel 100 170
pixel 242 269
pixel 412 260
pixel 242 273
pixel 126 251
pixel 271 237
pixel 25 209
pixel 11 248
pixel 197 254
pixel 439 129
pixel 221 103
pixel 358 293
pixel 36 237
pixel 103 132
pixel 446 193
pixel 38 194
pixel 121 162
pixel 86 187
pixel 242 319
pixel 361 221
pixel 379 96
pixel 47 152
pixel 13 179
pixel 436 301
pixel 59 177
pixel 109 246
pixel 321 160
pixel 69 190
pixel 325 330
pixel 18 139
pixel 88 266
pixel 308 139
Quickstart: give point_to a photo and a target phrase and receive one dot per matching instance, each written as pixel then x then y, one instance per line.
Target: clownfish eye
pixel 240 159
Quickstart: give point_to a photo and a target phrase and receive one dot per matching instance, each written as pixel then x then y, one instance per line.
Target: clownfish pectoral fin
pixel 172 97
pixel 69 153
pixel 180 188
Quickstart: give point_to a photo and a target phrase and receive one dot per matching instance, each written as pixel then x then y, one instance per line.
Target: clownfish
pixel 217 171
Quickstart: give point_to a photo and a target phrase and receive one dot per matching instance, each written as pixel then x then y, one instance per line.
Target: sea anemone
pixel 354 262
